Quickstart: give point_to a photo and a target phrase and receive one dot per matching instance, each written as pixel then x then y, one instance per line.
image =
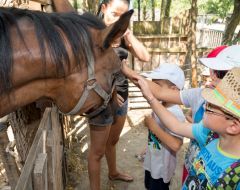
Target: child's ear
pixel 234 127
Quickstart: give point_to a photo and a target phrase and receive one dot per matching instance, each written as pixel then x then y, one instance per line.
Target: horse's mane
pixel 47 31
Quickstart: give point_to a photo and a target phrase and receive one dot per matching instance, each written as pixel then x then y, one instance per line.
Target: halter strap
pixel 89 85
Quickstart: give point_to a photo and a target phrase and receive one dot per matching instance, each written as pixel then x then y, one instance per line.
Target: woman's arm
pixel 166 117
pixel 136 47
pixel 169 140
pixel 62 6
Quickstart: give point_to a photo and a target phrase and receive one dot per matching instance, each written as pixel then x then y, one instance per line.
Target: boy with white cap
pixel 217 166
pixel 160 159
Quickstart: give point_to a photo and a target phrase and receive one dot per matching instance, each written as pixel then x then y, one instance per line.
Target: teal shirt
pixel 210 164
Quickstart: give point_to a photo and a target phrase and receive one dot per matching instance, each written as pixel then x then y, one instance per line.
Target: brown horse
pixel 65 58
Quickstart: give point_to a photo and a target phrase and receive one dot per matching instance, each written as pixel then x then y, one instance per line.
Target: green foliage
pixel 146 3
pixel 179 6
pixel 218 7
pixel 176 6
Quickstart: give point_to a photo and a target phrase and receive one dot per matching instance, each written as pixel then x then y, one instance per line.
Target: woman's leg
pixel 113 138
pixel 98 140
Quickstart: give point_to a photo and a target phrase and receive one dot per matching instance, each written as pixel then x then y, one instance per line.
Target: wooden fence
pixel 167 41
pixel 43 166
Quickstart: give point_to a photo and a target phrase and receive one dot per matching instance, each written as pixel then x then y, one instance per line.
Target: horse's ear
pixel 116 30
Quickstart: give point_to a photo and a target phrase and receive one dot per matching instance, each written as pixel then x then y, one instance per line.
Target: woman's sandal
pixel 121 177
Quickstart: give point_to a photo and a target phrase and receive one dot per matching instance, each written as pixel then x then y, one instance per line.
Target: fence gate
pixel 43 166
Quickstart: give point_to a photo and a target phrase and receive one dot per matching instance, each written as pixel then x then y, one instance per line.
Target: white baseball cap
pixel 168 71
pixel 223 58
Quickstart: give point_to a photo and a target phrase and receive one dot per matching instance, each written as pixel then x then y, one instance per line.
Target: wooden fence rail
pixel 43 166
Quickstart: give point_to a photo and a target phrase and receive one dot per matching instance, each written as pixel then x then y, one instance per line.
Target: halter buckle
pixel 91 83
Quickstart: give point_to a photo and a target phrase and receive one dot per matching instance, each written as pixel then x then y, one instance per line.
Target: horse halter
pixel 91 84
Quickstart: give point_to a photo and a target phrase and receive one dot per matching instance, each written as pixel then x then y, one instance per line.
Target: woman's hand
pixel 119 100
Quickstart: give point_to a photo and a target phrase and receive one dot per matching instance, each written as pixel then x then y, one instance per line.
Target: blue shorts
pixel 106 117
pixel 103 119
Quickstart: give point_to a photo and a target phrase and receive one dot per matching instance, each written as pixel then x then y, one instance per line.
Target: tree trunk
pixel 75 4
pixel 153 10
pixel 237 38
pixel 162 16
pixel 193 44
pixel 167 8
pixel 190 60
pixel 162 10
pixel 90 5
pixel 144 10
pixel 232 24
pixel 139 10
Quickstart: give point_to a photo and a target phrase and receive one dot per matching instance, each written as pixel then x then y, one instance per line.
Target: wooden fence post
pixel 57 152
pixel 40 173
pixel 8 160
pixel 25 179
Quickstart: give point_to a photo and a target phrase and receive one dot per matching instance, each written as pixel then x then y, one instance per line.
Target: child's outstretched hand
pixel 148 120
pixel 147 93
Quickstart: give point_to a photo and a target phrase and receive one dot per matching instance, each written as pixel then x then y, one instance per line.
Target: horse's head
pixel 104 67
pixel 44 56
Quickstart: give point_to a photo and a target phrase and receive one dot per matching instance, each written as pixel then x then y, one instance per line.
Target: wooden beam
pixel 49 147
pixel 57 151
pixel 8 160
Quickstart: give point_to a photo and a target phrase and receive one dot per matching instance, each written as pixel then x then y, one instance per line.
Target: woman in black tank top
pixel 110 11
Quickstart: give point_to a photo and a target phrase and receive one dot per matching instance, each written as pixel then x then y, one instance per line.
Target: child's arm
pixel 166 117
pixel 169 140
pixel 168 95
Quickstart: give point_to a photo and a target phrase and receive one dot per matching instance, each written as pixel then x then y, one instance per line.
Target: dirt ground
pixel 133 140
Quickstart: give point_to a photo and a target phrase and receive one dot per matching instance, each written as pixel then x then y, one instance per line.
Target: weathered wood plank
pixel 40 173
pixel 135 94
pixel 139 105
pixel 133 89
pixel 57 151
pixel 137 99
pixel 160 36
pixel 49 148
pixel 167 50
pixel 7 159
pixel 28 167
